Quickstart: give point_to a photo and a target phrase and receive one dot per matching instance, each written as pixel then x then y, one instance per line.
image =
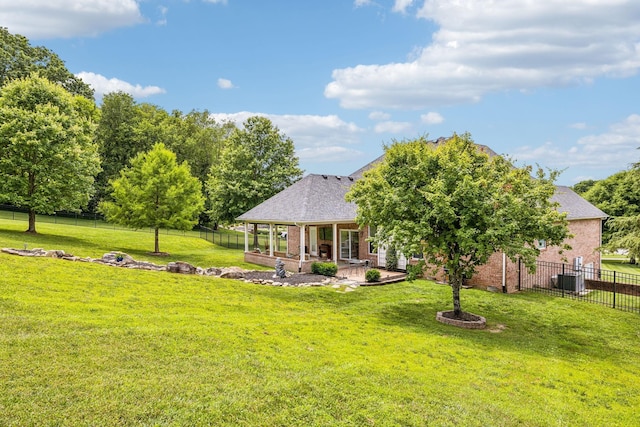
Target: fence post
pixel 561 282
pixel 519 274
pixel 614 289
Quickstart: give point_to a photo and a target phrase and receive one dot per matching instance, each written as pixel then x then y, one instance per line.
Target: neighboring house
pixel 321 226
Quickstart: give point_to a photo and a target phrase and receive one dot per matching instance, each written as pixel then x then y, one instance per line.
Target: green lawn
pixel 619 264
pixel 84 344
pixel 95 242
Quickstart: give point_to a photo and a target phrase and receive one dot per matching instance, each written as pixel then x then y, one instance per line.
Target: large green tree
pixel 457 206
pixel 258 161
pixel 155 192
pixel 48 160
pixel 618 196
pixel 18 59
pixel 115 136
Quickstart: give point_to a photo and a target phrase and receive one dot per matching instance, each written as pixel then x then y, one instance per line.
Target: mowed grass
pixel 95 242
pixel 85 344
pixel 620 264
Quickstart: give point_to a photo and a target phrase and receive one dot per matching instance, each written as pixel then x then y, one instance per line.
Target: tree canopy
pixel 457 206
pixel 619 196
pixel 257 162
pixel 18 59
pixel 155 192
pixel 47 156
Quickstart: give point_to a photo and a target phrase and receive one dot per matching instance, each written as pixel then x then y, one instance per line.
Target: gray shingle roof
pixel 574 205
pixel 319 199
pixel 314 199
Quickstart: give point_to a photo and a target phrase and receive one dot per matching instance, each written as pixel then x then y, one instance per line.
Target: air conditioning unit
pixel 577 263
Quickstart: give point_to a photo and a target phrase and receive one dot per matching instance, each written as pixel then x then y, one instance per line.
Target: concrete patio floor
pixel 358 275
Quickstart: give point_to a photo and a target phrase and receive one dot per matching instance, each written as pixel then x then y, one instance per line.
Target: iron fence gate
pixel 609 288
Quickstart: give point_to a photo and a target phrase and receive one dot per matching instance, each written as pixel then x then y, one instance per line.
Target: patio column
pixel 302 253
pixel 270 239
pixel 334 247
pixel 246 237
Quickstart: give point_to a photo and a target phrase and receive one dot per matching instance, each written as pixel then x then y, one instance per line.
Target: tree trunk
pixel 32 222
pixel 157 250
pixel 456 284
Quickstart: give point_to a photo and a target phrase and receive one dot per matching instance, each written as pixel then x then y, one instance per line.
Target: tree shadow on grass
pixel 519 331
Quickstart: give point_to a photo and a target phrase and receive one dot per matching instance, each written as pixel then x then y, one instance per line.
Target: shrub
pixel 391 263
pixel 324 268
pixel 372 275
pixel 415 271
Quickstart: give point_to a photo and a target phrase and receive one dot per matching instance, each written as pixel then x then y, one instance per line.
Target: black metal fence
pixel 606 287
pixel 235 240
pixel 82 219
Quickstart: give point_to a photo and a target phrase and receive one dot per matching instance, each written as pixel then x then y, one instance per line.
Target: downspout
pixel 504 273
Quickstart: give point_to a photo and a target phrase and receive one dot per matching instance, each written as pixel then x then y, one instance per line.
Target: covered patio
pixel 316 215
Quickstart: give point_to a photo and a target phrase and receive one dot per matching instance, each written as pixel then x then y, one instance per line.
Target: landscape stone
pixel 181 267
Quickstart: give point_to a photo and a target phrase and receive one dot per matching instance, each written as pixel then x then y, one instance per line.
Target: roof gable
pixel 575 205
pixel 313 199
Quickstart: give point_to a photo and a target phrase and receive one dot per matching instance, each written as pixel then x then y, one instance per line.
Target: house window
pixel 349 244
pixel 541 244
pixel 372 232
pixel 417 256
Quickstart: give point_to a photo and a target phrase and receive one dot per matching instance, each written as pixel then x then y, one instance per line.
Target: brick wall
pixel 585 242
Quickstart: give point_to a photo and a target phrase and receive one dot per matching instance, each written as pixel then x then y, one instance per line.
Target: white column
pixel 302 253
pixel 334 247
pixel 246 237
pixel 270 239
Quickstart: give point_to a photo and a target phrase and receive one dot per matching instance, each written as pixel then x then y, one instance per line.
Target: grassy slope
pixel 83 344
pixel 95 242
pixel 621 265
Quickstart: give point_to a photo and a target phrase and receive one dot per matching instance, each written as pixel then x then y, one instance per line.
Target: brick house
pixel 321 225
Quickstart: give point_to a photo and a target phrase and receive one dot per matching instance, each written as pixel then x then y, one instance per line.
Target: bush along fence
pixel 81 219
pixel 609 288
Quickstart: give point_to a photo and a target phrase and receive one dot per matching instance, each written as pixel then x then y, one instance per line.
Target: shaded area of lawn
pixel 84 344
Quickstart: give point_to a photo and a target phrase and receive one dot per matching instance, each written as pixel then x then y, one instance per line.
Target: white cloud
pixel 392 127
pixel 318 139
pixel 432 118
pixel 613 150
pixel 216 1
pixel 38 19
pixel 162 21
pixel 225 84
pixel 401 5
pixel 379 115
pixel 485 46
pixel 360 3
pixel 102 85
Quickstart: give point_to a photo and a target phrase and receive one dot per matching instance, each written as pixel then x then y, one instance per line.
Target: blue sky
pixel 553 82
